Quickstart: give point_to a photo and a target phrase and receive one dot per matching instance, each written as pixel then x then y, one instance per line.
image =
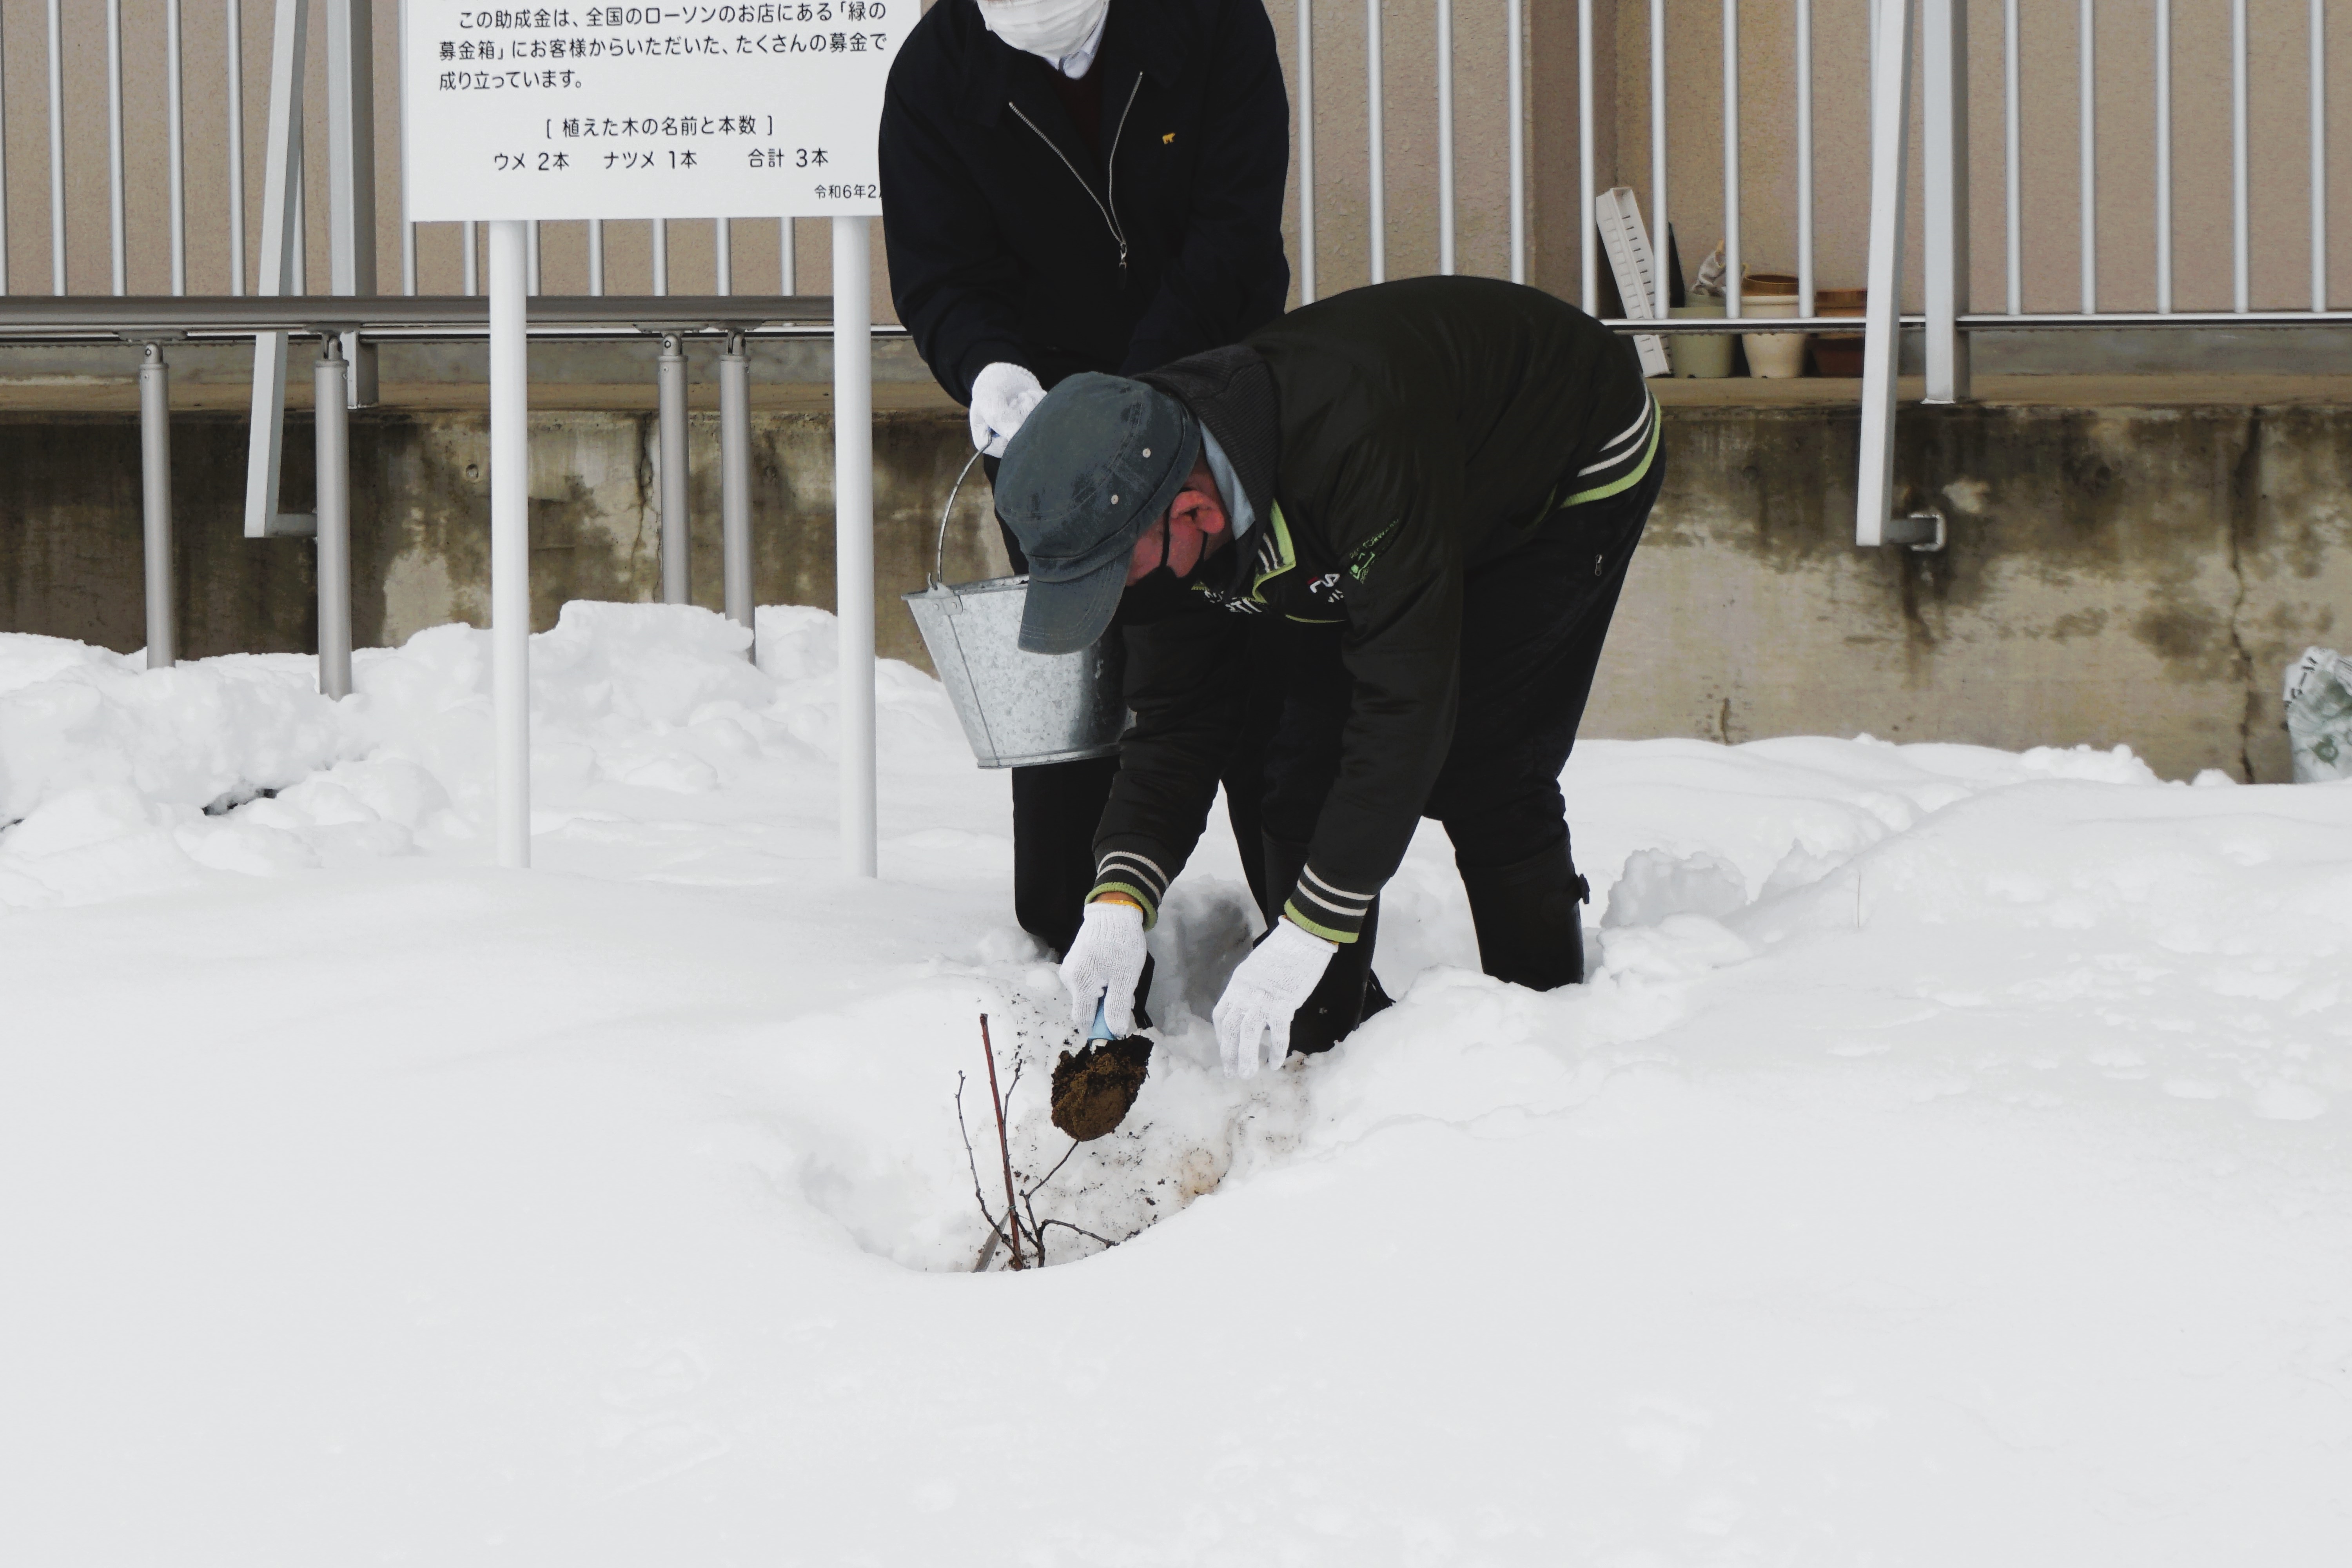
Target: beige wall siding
pixel 2280 152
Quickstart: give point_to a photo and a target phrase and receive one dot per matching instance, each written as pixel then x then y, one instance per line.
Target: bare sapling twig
pixel 1004 1146
pixel 971 1162
pixel 1090 1236
pixel 1039 1185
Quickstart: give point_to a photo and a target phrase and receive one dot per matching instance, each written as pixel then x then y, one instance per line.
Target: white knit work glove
pixel 1104 963
pixel 1002 396
pixel 1271 984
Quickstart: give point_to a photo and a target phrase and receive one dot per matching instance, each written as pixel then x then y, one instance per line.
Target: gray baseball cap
pixel 1090 468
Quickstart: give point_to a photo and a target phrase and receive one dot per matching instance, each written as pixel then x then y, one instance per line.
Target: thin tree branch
pixel 1003 1144
pixel 1039 1186
pixel 971 1162
pixel 1090 1236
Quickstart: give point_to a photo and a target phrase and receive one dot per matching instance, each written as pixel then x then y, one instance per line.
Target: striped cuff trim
pixel 1314 927
pixel 1331 913
pixel 1626 471
pixel 1150 905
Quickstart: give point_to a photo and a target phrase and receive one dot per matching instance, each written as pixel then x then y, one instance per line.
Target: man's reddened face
pixel 1193 528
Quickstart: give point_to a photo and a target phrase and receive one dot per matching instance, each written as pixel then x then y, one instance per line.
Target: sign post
pixel 853 539
pixel 557 113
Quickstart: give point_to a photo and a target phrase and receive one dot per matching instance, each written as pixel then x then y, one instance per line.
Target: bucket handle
pixel 939 553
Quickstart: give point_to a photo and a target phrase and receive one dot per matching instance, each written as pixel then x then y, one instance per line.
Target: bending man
pixel 1457 470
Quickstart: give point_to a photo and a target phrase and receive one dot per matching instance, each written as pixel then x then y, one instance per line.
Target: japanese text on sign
pixel 619 111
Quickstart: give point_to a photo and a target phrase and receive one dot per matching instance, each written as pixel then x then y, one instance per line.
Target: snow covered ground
pixel 1946 1165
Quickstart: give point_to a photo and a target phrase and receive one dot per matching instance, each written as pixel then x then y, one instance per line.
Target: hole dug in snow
pixel 1071 1198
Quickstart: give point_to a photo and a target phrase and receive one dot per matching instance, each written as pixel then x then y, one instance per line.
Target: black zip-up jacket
pixel 1390 440
pixel 1011 237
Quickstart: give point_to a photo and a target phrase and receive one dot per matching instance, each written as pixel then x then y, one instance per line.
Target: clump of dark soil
pixel 1094 1088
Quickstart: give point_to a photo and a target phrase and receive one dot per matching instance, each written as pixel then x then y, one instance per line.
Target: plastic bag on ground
pixel 2319 715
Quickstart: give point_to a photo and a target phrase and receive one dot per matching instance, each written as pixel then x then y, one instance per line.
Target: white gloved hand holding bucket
pixel 1002 396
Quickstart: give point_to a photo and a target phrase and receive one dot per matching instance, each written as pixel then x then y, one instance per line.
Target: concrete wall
pixel 2278 151
pixel 2136 573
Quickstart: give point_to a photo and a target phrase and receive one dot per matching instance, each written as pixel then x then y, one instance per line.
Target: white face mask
pixel 1048 29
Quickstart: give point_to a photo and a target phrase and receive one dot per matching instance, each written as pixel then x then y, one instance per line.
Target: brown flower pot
pixel 1838 354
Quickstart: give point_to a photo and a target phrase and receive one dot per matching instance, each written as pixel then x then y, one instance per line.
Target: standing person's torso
pixel 1080 228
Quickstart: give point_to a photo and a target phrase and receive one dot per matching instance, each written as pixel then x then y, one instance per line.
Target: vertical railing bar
pixel 3 157
pixel 1587 252
pixel 661 256
pixel 670 469
pixel 2086 112
pixel 2164 157
pixel 1732 278
pixel 1946 215
pixel 1445 138
pixel 118 237
pixel 1889 169
pixel 1375 153
pixel 155 509
pixel 300 175
pixel 1661 226
pixel 2013 161
pixel 531 259
pixel 407 255
pixel 233 39
pixel 56 152
pixel 1517 108
pixel 1305 154
pixel 473 263
pixel 596 257
pixel 331 446
pixel 2240 247
pixel 787 270
pixel 2318 156
pixel 723 241
pixel 735 484
pixel 176 148
pixel 1804 158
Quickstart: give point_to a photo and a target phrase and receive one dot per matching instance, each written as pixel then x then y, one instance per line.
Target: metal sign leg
pixel 853 535
pixel 510 543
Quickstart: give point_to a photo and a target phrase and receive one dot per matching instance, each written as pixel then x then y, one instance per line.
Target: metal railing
pixel 1949 321
pixel 355 311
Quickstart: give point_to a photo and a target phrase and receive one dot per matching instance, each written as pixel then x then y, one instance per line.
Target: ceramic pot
pixel 1776 356
pixel 1706 356
pixel 1838 353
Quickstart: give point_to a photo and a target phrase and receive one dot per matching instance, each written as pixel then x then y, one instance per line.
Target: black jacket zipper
pixel 1110 172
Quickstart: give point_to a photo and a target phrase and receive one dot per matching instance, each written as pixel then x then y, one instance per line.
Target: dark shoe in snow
pixel 1094 1088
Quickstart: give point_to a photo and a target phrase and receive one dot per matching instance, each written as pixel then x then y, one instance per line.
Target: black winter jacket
pixel 1392 439
pixel 1010 239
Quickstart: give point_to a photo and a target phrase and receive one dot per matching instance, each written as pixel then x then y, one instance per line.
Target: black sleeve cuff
pixel 1319 906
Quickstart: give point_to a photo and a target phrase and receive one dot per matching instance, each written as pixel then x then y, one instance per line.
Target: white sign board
pixel 644 111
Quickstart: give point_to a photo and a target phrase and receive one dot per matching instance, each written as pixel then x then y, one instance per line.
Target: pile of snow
pixel 1944 1164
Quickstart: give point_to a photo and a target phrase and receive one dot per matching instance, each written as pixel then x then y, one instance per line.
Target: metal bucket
pixel 1017 707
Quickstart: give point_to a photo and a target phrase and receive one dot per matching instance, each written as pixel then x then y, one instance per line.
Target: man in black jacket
pixel 1080 185
pixel 1456 469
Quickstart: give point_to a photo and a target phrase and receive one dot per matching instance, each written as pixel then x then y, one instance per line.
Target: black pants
pixel 1057 805
pixel 1533 623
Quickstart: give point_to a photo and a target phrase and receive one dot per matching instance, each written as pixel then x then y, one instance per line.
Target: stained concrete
pixel 2131 561
pixel 2135 573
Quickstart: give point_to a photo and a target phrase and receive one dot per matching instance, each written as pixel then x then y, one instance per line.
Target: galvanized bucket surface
pixel 1017 709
